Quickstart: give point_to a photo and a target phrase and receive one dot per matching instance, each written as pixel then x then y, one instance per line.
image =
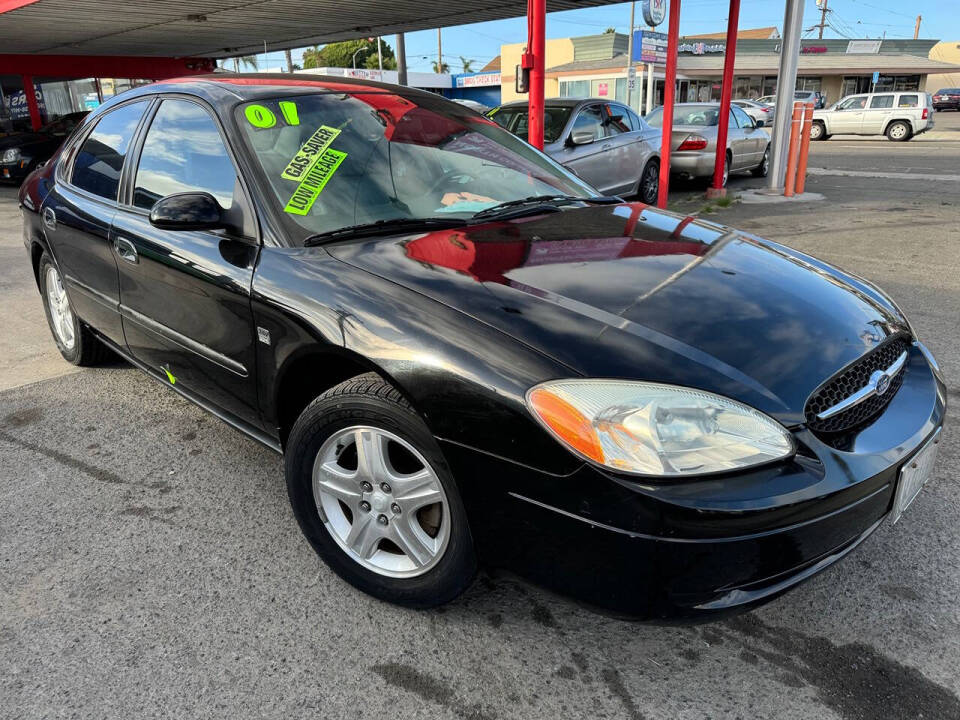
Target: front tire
pixel 763 168
pixel 375 498
pixel 898 131
pixel 75 341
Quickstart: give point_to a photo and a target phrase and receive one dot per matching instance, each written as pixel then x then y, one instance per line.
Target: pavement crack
pixel 427 688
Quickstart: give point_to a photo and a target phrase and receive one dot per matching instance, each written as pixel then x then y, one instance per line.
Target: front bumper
pixel 14 172
pixel 701 547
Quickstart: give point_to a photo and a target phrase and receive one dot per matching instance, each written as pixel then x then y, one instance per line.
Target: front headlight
pixel 651 429
pixel 11 155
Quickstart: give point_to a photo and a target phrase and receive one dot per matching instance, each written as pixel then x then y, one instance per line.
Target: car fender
pixel 900 118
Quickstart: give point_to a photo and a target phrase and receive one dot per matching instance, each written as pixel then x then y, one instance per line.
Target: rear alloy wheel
pixel 763 168
pixel 649 185
pixel 375 498
pixel 726 169
pixel 75 341
pixel 898 131
pixel 818 131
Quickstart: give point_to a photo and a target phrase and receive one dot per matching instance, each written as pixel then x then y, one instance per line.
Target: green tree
pixel 467 64
pixel 609 31
pixel 248 61
pixel 441 69
pixel 341 54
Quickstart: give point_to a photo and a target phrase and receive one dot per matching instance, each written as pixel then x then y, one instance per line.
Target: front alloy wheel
pixel 650 183
pixel 381 501
pixel 373 494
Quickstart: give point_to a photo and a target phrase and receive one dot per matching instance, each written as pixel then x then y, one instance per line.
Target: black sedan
pixel 947 99
pixel 21 153
pixel 467 355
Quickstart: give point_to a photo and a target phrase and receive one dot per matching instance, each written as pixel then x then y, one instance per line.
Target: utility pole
pixel 439 52
pixel 916 28
pixel 633 8
pixel 401 59
pixel 822 4
pixel 289 60
pixel 379 54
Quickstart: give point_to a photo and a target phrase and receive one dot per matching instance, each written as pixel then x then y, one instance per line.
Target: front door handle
pixel 126 250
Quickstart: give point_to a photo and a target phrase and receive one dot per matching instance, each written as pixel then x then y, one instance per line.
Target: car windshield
pixel 767 99
pixel 333 160
pixel 515 120
pixel 687 115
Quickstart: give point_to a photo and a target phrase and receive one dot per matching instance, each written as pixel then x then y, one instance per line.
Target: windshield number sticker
pixel 307 192
pixel 289 112
pixel 311 152
pixel 260 116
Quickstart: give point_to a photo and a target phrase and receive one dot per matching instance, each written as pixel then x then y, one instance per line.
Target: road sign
pixel 649 47
pixel 876 77
pixel 631 73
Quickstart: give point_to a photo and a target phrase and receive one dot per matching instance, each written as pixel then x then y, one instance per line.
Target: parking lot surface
pixel 150 565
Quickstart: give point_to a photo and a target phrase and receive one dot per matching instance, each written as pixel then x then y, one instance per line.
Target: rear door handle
pixel 126 249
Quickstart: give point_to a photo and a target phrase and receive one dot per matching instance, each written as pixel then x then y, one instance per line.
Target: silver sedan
pixel 604 142
pixel 694 141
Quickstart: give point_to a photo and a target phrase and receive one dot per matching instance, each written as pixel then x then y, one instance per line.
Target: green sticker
pixel 170 375
pixel 289 112
pixel 316 178
pixel 260 116
pixel 310 153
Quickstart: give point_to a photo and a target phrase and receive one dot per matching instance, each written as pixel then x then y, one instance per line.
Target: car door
pixel 755 139
pixel 185 294
pixel 848 116
pixel 876 114
pixel 623 153
pixel 737 141
pixel 587 159
pixel 79 210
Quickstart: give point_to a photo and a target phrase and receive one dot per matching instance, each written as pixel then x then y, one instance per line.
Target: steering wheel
pixel 449 178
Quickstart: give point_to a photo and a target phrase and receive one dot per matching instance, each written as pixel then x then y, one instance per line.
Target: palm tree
pixel 443 67
pixel 248 61
pixel 467 64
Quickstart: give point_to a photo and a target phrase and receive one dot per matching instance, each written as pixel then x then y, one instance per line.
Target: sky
pixel 481 42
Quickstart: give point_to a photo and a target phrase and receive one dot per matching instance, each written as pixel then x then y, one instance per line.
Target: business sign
pixel 481 80
pixel 811 49
pixel 16 103
pixel 603 89
pixel 649 47
pixel 654 11
pixel 863 47
pixel 701 48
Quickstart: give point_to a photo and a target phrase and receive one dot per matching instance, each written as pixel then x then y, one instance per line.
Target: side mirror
pixel 581 137
pixel 187 211
pixel 759 123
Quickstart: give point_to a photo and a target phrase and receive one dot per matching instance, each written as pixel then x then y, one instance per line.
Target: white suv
pixel 898 115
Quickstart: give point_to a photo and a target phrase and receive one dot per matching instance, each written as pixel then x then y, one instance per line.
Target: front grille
pixel 848 381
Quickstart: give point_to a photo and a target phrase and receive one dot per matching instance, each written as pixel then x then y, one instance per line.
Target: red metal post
pixel 791 179
pixel 804 148
pixel 669 87
pixel 30 94
pixel 537 48
pixel 726 92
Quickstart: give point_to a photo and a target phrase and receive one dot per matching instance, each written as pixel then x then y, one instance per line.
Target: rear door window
pixel 100 159
pixel 741 116
pixel 879 102
pixel 183 152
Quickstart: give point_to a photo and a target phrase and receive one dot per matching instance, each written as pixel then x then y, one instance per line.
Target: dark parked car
pixel 602 141
pixel 947 99
pixel 465 354
pixel 21 153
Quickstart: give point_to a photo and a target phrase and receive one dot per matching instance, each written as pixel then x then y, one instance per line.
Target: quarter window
pixel 100 159
pixel 909 101
pixel 183 152
pixel 881 101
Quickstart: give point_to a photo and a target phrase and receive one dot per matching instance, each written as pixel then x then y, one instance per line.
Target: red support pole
pixel 30 93
pixel 669 88
pixel 726 92
pixel 537 48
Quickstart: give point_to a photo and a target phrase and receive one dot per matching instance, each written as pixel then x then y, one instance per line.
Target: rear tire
pixel 648 186
pixel 898 131
pixel 818 131
pixel 75 341
pixel 764 167
pixel 359 514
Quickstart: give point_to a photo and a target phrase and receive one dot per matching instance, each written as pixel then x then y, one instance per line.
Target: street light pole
pixel 633 8
pixel 401 59
pixel 354 61
pixel 786 84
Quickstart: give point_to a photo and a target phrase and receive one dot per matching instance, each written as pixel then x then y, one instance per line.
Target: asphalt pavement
pixel 150 565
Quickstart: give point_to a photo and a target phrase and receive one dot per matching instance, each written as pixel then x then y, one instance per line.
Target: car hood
pixel 631 292
pixel 22 140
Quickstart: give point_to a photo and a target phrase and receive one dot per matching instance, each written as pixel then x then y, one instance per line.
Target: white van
pixel 898 115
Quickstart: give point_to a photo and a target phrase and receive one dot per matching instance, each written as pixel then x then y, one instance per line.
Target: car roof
pixel 561 102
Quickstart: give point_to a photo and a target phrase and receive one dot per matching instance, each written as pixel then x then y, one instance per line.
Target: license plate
pixel 914 475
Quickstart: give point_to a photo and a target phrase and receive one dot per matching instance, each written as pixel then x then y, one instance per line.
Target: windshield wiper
pixel 383 227
pixel 554 200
